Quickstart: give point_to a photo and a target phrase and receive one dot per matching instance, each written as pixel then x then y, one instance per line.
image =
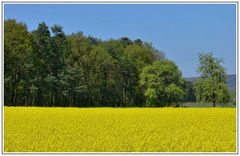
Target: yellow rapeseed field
pixel 32 129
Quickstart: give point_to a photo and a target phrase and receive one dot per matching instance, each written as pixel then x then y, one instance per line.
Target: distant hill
pixel 231 81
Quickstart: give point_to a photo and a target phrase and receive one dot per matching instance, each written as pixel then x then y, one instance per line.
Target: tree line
pixel 46 67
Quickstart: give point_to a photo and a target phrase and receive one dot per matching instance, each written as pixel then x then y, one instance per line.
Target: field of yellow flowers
pixel 32 129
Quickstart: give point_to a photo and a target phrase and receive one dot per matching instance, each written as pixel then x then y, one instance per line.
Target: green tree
pixel 127 76
pixel 17 51
pixel 211 86
pixel 163 83
pixel 56 64
pixel 42 58
pixel 102 75
pixel 76 74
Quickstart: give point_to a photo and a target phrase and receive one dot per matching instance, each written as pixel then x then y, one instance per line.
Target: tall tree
pixel 17 51
pixel 42 57
pixel 211 86
pixel 102 75
pixel 57 63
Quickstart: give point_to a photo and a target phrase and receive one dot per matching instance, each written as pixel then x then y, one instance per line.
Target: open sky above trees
pixel 180 31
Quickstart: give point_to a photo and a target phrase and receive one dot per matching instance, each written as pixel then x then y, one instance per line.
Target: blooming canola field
pixel 36 129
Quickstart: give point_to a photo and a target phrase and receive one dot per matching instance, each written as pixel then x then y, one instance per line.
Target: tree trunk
pixel 14 90
pixel 214 103
pixel 13 96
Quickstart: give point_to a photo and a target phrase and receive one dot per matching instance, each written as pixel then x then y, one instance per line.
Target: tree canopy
pixel 163 83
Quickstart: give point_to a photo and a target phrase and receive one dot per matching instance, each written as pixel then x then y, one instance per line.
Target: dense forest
pixel 46 67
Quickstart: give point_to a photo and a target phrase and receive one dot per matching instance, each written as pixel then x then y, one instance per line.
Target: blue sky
pixel 181 31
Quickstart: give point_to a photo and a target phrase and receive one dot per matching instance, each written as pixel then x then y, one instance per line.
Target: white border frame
pixel 132 2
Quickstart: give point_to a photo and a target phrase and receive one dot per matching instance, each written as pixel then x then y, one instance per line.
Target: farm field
pixel 35 129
